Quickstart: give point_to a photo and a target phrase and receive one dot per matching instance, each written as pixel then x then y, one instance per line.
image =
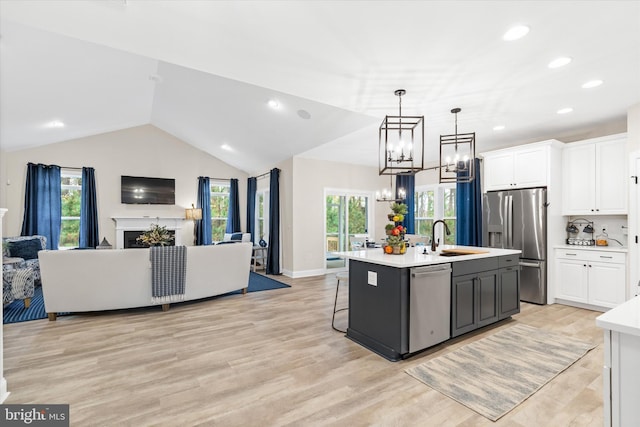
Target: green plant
pixel 156 235
pixel 399 208
pixel 395 240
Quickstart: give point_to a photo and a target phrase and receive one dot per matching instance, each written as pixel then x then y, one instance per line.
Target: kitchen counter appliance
pixel 429 306
pixel 517 219
pixel 578 235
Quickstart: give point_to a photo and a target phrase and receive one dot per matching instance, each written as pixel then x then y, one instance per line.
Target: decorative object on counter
pixel 104 244
pixel 395 243
pixel 573 232
pixel 157 235
pixel 401 142
pixel 509 366
pixel 457 154
pixel 603 239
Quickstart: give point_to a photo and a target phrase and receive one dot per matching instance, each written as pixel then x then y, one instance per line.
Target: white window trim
pixel 226 184
pixel 438 205
pixel 70 173
pixel 265 198
pixel 370 195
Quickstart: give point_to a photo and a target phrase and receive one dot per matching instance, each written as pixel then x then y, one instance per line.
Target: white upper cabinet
pixel 594 177
pixel 524 166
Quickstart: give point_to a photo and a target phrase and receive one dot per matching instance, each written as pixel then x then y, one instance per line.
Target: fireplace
pixel 128 229
pixel 131 242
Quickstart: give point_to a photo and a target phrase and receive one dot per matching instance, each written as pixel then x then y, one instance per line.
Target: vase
pixel 396 250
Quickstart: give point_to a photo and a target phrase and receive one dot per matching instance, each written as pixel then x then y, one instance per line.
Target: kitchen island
pixel 621 372
pixel 401 304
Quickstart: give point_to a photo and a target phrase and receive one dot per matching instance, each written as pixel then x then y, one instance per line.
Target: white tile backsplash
pixel 614 225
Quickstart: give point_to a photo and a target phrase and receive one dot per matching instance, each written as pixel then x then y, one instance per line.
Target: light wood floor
pixel 265 359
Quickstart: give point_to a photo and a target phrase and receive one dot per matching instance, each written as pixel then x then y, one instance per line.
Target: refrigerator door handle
pixel 505 223
pixel 510 221
pixel 530 264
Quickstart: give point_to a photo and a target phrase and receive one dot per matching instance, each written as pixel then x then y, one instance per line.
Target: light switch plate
pixel 372 278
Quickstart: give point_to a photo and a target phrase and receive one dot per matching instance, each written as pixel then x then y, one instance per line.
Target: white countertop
pixel 593 248
pixel 624 318
pixel 415 257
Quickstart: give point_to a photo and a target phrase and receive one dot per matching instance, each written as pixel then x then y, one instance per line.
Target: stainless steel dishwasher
pixel 429 306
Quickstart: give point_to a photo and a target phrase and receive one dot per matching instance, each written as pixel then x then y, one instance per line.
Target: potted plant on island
pixel 395 232
pixel 157 235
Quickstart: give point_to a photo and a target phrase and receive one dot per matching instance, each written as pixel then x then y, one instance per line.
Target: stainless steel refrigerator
pixel 517 219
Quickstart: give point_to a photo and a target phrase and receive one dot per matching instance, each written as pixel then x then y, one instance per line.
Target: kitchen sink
pixel 450 254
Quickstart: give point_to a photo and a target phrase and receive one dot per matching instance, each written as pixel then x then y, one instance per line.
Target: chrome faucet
pixel 434 245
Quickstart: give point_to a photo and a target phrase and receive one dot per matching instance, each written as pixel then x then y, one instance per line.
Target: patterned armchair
pixel 25 247
pixel 17 283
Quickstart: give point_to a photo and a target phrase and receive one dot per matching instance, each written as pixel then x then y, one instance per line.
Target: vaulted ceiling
pixel 204 71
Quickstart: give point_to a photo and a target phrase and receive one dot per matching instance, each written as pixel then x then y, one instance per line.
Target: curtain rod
pixel 263 175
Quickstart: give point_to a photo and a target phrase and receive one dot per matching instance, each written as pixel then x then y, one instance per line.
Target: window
pixel 262 215
pixel 433 203
pixel 71 188
pixel 347 214
pixel 219 209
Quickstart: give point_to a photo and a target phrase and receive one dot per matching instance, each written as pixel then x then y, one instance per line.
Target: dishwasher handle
pixel 418 272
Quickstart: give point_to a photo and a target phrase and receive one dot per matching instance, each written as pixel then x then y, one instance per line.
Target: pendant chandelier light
pixel 388 195
pixel 457 154
pixel 401 142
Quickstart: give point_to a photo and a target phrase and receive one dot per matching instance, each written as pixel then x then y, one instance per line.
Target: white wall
pixel 139 151
pixel 305 232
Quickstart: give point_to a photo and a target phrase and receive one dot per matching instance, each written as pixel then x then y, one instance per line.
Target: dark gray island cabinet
pixel 396 311
pixel 483 291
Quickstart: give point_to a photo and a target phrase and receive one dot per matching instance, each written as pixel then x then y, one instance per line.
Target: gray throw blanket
pixel 168 273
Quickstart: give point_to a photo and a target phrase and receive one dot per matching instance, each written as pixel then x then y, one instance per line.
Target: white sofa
pixel 109 279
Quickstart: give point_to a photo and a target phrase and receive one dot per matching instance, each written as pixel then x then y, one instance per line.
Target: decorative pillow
pixel 236 236
pixel 26 249
pixel 262 243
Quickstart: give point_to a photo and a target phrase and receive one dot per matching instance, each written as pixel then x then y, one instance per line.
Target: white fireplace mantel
pixel 144 223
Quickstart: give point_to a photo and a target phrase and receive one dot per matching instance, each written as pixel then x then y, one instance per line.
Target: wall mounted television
pixel 138 190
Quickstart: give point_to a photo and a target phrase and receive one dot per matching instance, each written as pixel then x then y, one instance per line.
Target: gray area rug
pixel 497 373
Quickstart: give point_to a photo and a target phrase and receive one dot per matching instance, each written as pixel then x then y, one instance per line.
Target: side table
pixel 259 255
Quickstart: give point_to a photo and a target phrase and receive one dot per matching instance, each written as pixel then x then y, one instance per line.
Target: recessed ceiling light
pixel 55 124
pixel 226 147
pixel 592 83
pixel 498 127
pixel 559 62
pixel 516 33
pixel 273 104
pixel 304 114
pixel 565 110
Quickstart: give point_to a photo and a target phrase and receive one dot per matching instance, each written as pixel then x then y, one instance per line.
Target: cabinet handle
pixel 597 210
pixel 608 257
pixel 584 265
pixel 589 265
pixel 567 253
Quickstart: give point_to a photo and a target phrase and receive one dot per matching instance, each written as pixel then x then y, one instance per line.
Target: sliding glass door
pixel 346 215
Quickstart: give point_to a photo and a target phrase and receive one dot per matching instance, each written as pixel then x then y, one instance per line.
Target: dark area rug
pixel 15 312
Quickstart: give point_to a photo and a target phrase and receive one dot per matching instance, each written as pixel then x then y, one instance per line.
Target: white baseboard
pixel 304 273
pixel 3 390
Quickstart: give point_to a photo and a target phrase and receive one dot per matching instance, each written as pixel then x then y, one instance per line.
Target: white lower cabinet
pixel 591 277
pixel 621 372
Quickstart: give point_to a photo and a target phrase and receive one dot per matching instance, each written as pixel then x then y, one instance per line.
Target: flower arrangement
pixel 157 235
pixel 396 231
